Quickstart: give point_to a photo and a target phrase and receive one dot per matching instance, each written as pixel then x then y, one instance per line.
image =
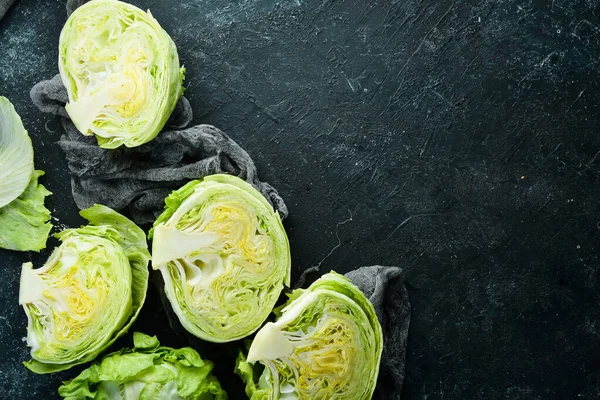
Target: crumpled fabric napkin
pixel 4 6
pixel 384 286
pixel 140 178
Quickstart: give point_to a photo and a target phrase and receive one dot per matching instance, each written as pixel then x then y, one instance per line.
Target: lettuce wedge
pixel 121 71
pixel 325 344
pixel 224 257
pixel 87 294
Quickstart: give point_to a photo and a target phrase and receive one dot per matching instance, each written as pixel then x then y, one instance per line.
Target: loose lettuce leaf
pixel 224 256
pixel 121 71
pixel 250 375
pixel 24 221
pixel 326 343
pixel 16 154
pixel 89 292
pixel 147 372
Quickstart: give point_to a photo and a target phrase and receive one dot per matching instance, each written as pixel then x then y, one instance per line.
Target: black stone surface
pixel 458 140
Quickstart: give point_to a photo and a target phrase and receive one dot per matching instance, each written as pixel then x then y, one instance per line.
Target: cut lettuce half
pixel 224 257
pixel 146 372
pixel 25 222
pixel 325 344
pixel 121 71
pixel 16 154
pixel 87 294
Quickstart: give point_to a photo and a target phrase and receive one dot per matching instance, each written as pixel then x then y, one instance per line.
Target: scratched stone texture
pixel 457 140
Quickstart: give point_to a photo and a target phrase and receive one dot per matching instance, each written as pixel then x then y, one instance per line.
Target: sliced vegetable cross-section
pixel 224 256
pixel 121 71
pixel 325 344
pixel 87 294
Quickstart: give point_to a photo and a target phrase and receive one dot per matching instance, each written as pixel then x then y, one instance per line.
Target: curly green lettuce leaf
pixel 16 154
pixel 224 256
pixel 88 293
pixel 25 220
pixel 121 71
pixel 326 343
pixel 146 372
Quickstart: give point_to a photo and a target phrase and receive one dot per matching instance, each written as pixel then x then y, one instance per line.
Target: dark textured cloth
pixel 140 178
pixel 384 286
pixel 4 6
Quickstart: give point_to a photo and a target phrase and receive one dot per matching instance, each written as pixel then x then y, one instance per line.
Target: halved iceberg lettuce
pixel 224 256
pixel 87 294
pixel 121 71
pixel 325 344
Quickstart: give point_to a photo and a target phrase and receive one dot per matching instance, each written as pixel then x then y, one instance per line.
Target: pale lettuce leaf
pixel 25 220
pixel 16 154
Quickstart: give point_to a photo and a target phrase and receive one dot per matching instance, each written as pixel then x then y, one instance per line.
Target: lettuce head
pixel 88 293
pixel 224 257
pixel 325 344
pixel 121 71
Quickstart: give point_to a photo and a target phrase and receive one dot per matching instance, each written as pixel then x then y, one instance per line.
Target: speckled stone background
pixel 458 140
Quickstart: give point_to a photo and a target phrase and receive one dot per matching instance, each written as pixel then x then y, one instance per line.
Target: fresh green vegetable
pixel 224 256
pixel 24 221
pixel 121 71
pixel 146 372
pixel 87 294
pixel 16 154
pixel 325 344
pixel 23 216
